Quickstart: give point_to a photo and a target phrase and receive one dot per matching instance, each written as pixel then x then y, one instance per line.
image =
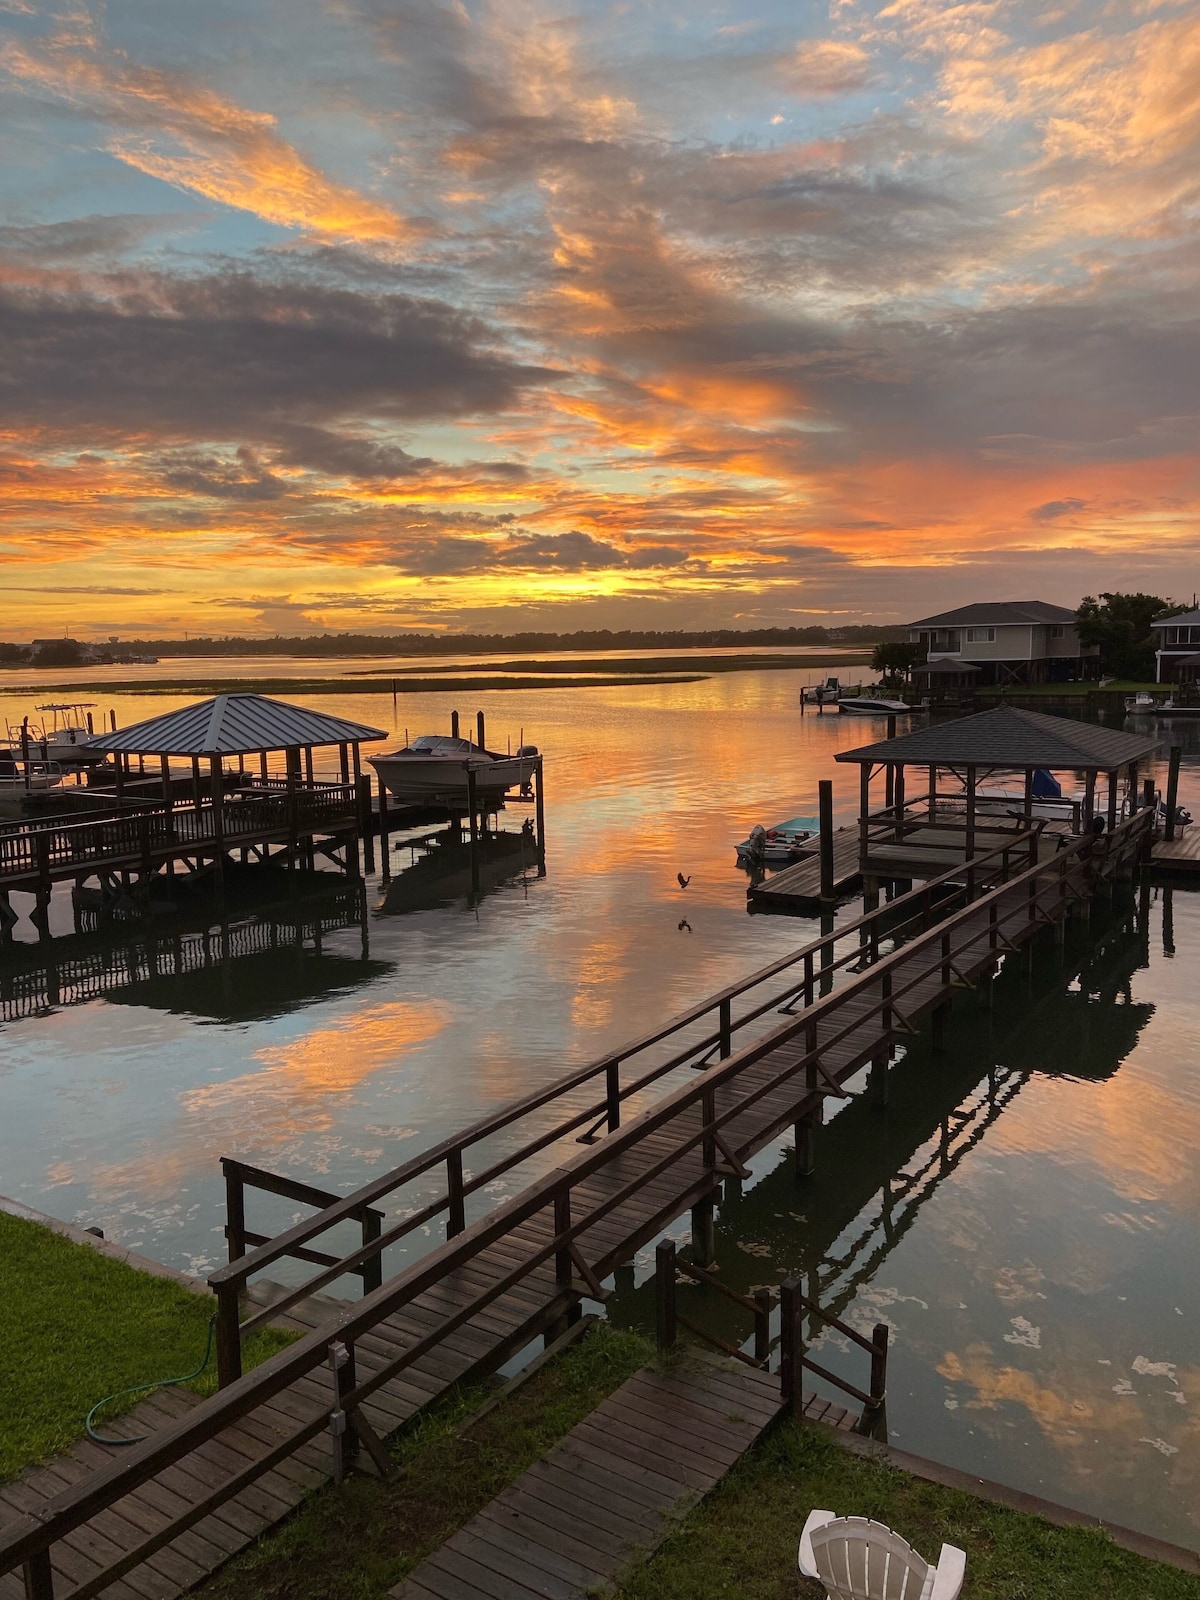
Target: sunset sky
pixel 382 314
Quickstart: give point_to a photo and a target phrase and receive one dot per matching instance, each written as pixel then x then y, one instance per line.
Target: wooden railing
pixel 551 1215
pixel 155 829
pixel 669 1266
pixel 793 1359
pixel 819 963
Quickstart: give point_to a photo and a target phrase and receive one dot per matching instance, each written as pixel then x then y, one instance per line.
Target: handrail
pixel 667 1266
pixel 378 1188
pixel 29 1538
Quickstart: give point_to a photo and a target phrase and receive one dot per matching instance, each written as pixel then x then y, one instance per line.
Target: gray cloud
pixel 230 356
pixel 1052 509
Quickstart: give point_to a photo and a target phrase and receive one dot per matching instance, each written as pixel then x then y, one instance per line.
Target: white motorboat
pixel 863 705
pixel 63 742
pixel 433 770
pixel 1143 701
pixel 1170 709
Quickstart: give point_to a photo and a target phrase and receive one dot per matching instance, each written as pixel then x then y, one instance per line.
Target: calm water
pixel 1025 1214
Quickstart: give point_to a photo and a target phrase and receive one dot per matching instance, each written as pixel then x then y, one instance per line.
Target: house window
pixel 1057 630
pixel 981 635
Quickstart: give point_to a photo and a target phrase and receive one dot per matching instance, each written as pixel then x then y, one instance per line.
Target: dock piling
pixel 1172 790
pixel 825 811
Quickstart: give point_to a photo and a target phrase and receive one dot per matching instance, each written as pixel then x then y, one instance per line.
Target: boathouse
pixel 230 797
pixel 964 806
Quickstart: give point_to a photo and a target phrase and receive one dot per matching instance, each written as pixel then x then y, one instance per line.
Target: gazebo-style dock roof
pixel 908 838
pixel 1009 740
pixel 234 725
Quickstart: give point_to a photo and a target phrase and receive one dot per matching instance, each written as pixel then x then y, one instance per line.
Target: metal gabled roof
pixel 233 725
pixel 1010 739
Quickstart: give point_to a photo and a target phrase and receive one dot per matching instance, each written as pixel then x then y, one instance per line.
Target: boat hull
pixel 443 780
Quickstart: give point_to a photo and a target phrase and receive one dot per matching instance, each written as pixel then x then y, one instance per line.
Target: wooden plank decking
pixel 614 1488
pixel 798 887
pixel 1180 854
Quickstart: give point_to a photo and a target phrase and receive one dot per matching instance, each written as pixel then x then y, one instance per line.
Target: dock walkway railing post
pixel 664 1290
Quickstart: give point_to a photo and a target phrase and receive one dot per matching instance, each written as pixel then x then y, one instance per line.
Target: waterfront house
pixel 1010 641
pixel 1177 642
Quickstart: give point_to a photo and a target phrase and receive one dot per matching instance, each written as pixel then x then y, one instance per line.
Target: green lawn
pixel 740 1544
pixel 76 1325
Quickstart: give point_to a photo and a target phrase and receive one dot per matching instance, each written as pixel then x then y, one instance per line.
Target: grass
pixel 740 1544
pixel 75 1325
pixel 358 1541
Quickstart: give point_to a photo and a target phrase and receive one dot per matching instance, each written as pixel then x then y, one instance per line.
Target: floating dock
pixel 798 887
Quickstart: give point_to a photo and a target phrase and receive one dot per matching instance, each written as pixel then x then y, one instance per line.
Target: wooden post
pixel 540 809
pixel 262 767
pixel 228 1336
pixel 456 1216
pixel 480 738
pixel 365 820
pixel 384 857
pixel 216 776
pixel 39 1576
pixel 791 1347
pixel 933 794
pixel 1028 797
pixel 899 794
pixel 726 1028
pixel 372 1267
pixel 196 782
pixel 889 785
pixel 355 761
pixel 969 839
pixel 762 1326
pixel 825 811
pixel 612 1094
pixel 1089 800
pixel 864 811
pixel 1112 800
pixel 879 1355
pixel 344 762
pixel 664 1287
pixel 704 1234
pixel 1172 789
pixel 454 724
pixel 308 766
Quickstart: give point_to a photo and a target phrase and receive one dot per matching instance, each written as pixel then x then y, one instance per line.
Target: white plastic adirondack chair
pixel 857 1559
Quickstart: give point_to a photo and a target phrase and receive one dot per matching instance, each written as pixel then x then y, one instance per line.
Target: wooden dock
pixel 798 887
pixel 615 1488
pixel 526 1266
pixel 1180 854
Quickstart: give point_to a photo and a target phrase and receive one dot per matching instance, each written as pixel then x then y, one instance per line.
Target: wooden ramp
pixel 614 1488
pixel 798 887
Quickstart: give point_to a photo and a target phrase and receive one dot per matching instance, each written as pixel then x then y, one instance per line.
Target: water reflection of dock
pixel 449 870
pixel 875 1174
pixel 252 963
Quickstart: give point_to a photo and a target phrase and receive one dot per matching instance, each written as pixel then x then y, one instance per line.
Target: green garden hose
pixel 145 1388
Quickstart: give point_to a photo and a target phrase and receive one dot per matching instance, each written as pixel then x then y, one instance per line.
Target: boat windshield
pixel 442 744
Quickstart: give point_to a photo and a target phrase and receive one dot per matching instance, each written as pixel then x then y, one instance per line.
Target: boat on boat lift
pixel 434 768
pixel 778 846
pixel 63 742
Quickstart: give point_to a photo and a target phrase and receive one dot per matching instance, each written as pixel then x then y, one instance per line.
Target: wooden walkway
pixel 1181 854
pixel 798 887
pixel 480 1297
pixel 615 1488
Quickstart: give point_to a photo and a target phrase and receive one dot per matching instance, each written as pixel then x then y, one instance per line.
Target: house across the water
pixel 1177 648
pixel 1008 641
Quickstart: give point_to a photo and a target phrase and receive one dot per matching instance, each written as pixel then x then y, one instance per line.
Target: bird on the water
pixel 684 925
pixel 681 880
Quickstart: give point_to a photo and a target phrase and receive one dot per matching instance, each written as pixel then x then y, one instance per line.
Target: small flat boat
pixel 778 846
pixel 863 705
pixel 433 770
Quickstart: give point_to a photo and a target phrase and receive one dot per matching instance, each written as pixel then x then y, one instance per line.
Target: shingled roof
pixel 1012 740
pixel 1001 613
pixel 233 725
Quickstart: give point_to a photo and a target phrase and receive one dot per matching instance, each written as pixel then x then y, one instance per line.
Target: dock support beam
pixel 704 1233
pixel 825 810
pixel 1172 790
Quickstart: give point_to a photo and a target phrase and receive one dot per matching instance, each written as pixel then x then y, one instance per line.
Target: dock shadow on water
pixel 1036 1284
